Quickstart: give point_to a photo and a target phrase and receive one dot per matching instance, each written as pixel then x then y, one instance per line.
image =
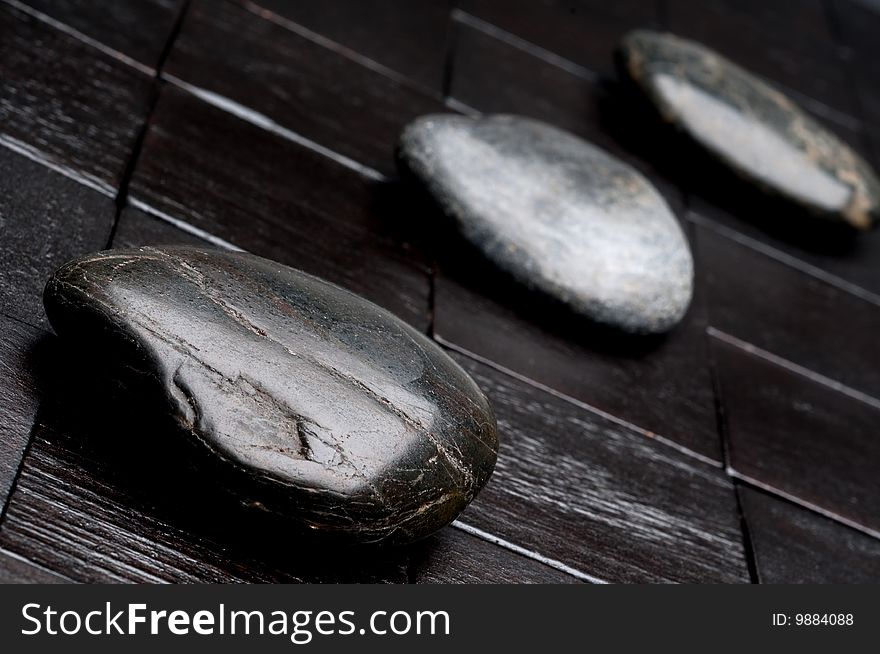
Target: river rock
pixel 751 127
pixel 558 214
pixel 317 404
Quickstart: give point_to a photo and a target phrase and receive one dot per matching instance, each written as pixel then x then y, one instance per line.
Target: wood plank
pixel 86 508
pixel 105 498
pixel 795 546
pixel 136 30
pixel 46 219
pixel 17 570
pixel 295 83
pixel 787 22
pixel 820 247
pixel 279 199
pixel 137 228
pixel 660 384
pixel 788 313
pixel 19 396
pixel 584 32
pixel 323 89
pixel 66 102
pixel 607 501
pixel 406 36
pixel 800 437
pixel 495 76
pixel 454 557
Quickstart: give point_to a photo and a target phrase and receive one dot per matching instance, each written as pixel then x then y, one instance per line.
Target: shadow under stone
pixel 631 119
pixel 424 224
pixel 118 441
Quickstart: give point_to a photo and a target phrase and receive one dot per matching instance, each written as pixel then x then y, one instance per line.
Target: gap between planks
pixel 522 551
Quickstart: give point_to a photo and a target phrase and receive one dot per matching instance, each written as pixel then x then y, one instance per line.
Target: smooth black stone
pixel 750 127
pixel 558 214
pixel 317 404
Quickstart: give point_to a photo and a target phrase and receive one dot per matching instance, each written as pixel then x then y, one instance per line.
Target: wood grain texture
pixel 295 82
pixel 800 437
pixel 820 247
pixel 137 30
pixel 407 36
pixel 601 498
pixel 280 200
pixel 65 519
pixel 46 219
pixel 18 397
pixel 659 384
pixel 66 102
pixel 802 319
pixel 136 228
pixel 17 570
pixel 320 91
pixel 455 557
pixel 492 75
pixel 794 545
pixel 789 43
pixel 584 32
pixel 90 505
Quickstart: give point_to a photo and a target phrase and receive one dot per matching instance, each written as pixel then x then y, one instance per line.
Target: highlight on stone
pixel 751 127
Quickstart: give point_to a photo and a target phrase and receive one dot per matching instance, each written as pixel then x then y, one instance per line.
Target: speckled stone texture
pixel 315 403
pixel 751 127
pixel 558 214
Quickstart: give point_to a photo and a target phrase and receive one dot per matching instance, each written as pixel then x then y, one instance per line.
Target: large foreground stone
pixel 316 404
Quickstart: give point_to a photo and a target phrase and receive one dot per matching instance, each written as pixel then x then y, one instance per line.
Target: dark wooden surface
pixel 278 199
pixel 18 404
pixel 326 98
pixel 800 436
pixel 47 219
pixel 741 447
pixel 798 316
pixel 137 31
pixel 68 103
pixel 408 39
pixel 17 570
pixel 794 545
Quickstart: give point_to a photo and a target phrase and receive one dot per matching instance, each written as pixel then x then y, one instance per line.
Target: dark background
pixel 742 447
